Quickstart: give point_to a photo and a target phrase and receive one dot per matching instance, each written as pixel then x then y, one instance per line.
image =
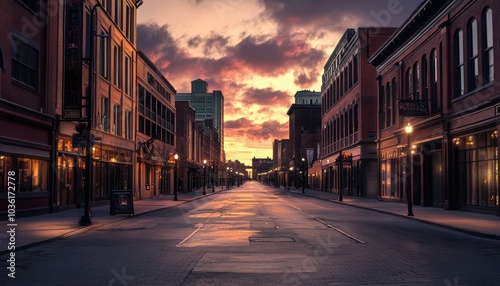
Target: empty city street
pixel 259 235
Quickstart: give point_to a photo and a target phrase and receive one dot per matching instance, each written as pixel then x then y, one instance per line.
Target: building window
pixel 355 69
pixel 383 108
pixel 118 13
pixel 129 23
pixel 33 5
pixel 393 100
pixel 105 113
pixel 117 66
pixel 409 84
pixel 141 95
pixel 487 36
pixel 388 104
pixel 24 63
pixel 350 75
pixel 88 33
pixel 434 79
pixel 128 75
pixel 425 86
pixel 478 165
pixel 31 174
pixel 141 124
pixel 356 121
pixel 472 55
pixel 416 81
pixel 107 5
pixel 117 120
pixel 128 124
pixel 104 56
pixel 458 60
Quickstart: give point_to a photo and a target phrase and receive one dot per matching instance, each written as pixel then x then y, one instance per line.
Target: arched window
pixel 458 61
pixel 472 51
pixel 388 104
pixel 355 69
pixel 382 106
pixel 393 100
pixel 356 121
pixel 416 81
pixel 487 36
pixel 434 79
pixel 409 84
pixel 425 80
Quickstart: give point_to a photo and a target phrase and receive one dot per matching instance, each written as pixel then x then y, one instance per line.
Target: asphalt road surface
pixel 259 235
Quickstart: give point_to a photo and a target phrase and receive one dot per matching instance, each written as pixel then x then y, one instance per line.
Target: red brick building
pixel 438 74
pixel 29 63
pixel 348 114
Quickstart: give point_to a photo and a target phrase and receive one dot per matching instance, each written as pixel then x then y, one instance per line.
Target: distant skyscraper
pixel 207 106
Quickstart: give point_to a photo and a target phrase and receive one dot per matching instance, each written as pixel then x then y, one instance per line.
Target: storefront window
pixel 478 163
pixel 31 174
pixel 390 174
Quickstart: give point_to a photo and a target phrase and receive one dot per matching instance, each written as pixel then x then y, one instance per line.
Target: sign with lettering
pixel 413 107
pixel 122 202
pixel 72 97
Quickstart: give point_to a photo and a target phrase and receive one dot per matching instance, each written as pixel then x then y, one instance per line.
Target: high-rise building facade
pixel 207 106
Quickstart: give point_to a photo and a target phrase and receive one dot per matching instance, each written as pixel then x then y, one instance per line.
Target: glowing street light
pixel 408 130
pixel 176 187
pixel 204 175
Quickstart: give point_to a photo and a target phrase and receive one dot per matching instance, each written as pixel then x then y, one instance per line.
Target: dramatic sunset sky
pixel 259 53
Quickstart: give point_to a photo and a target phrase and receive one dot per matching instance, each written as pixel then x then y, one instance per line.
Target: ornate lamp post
pixel 204 175
pixel 176 186
pixel 408 130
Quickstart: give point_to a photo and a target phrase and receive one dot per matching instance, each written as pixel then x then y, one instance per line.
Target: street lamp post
pixel 303 175
pixel 284 177
pixel 204 175
pixel 213 177
pixel 176 183
pixel 85 219
pixel 408 130
pixel 341 165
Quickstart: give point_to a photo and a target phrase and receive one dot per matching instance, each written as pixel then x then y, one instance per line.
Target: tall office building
pixel 207 106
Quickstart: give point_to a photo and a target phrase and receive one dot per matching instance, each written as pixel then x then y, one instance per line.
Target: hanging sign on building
pixel 413 107
pixel 72 96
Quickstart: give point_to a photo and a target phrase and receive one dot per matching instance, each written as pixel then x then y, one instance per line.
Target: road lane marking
pixel 340 231
pixel 195 231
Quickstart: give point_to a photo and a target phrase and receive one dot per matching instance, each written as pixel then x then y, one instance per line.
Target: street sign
pixel 413 107
pixel 79 140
